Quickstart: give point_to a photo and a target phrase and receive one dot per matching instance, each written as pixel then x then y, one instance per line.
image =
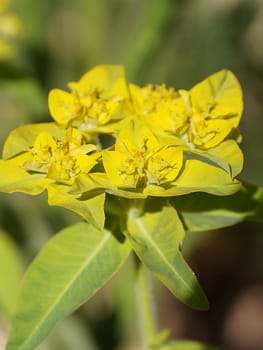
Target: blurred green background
pixel 177 42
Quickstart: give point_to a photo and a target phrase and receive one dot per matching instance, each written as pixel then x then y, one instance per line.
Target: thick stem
pixel 145 305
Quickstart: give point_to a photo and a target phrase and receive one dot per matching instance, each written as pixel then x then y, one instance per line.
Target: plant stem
pixel 145 305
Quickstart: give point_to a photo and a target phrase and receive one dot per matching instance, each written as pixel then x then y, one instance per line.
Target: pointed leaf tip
pixel 156 238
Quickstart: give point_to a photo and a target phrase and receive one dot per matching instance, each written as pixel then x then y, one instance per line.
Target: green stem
pixel 145 305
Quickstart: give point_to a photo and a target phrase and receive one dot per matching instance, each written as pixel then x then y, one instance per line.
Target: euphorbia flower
pixel 201 118
pixel 139 159
pixel 142 163
pixel 167 142
pixel 98 101
pixel 61 160
pixel 45 157
pixel 148 99
pixel 58 160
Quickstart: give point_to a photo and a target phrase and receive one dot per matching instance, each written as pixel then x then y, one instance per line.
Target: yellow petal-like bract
pixel 139 159
pixel 202 117
pixel 96 102
pixel 109 136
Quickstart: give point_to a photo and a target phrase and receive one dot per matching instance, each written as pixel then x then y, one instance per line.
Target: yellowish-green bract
pixel 167 142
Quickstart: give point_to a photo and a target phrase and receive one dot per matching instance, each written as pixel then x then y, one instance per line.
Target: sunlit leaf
pixel 156 238
pixel 13 178
pixel 72 266
pixel 90 207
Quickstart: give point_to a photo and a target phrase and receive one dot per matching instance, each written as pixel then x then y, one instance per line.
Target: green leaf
pixel 156 238
pixel 91 207
pixel 202 211
pixel 11 268
pixel 72 266
pixel 187 345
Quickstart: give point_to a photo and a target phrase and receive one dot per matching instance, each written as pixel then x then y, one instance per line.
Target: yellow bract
pixel 61 160
pixel 96 102
pixel 161 142
pixel 47 159
pixel 139 159
pixel 201 118
pixel 151 98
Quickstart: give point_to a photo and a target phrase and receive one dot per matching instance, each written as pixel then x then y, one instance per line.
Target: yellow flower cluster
pixel 96 102
pixel 10 30
pixel 163 142
pixel 61 160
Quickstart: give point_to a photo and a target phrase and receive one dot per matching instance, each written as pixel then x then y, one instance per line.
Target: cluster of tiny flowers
pixel 110 136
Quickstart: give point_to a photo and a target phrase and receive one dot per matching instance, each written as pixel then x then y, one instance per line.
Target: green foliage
pixel 156 238
pixel 201 211
pixel 68 271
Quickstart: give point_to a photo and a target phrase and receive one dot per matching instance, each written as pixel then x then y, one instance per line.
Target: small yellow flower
pixel 61 160
pixel 139 159
pixel 48 159
pixel 96 102
pixel 201 118
pixel 43 157
pixel 149 99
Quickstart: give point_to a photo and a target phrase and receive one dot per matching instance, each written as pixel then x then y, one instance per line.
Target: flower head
pixel 201 118
pixel 150 98
pixel 139 159
pixel 47 159
pixel 164 142
pixel 61 160
pixel 96 102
